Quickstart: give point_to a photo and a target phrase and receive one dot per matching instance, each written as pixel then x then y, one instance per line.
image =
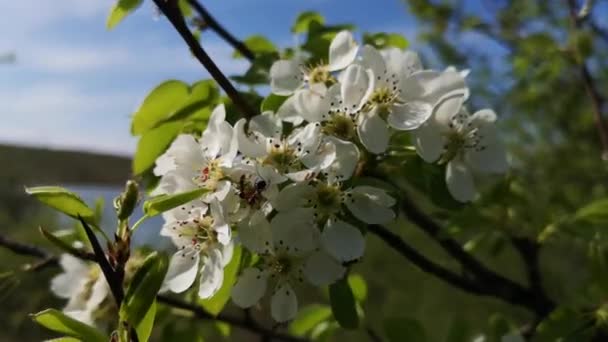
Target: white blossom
pixel 468 143
pixel 205 247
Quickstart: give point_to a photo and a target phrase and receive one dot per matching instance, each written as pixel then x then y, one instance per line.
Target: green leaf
pixel 359 286
pixel 159 204
pixel 459 331
pixel 595 213
pixel 308 318
pixel 56 321
pixel 272 103
pixel 120 10
pixel 258 45
pixel 152 144
pixel 64 339
pixel 145 326
pixel 144 286
pixel 215 304
pixel 343 304
pixel 398 329
pixel 63 200
pixel 385 40
pixel 304 20
pixel 160 104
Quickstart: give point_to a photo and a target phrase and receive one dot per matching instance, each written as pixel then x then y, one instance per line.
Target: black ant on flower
pixel 251 194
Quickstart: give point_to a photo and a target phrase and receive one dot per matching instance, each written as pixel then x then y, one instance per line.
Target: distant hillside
pixel 36 166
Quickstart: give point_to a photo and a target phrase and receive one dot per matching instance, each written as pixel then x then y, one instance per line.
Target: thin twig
pixel 241 322
pixel 236 321
pixel 171 10
pixel 221 31
pixel 101 259
pixel 426 265
pixel 597 102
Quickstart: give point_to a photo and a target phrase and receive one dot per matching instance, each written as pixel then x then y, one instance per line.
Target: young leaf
pixel 595 213
pixel 258 45
pixel 304 19
pixel 215 304
pixel 399 329
pixel 63 200
pixel 160 104
pixel 142 291
pixel 159 204
pixel 343 304
pixel 57 321
pixel 144 328
pixel 272 103
pixel 359 287
pixel 152 144
pixel 120 10
pixel 308 318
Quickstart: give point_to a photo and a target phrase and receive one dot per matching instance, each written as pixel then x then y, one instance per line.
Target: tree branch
pixel 489 282
pixel 171 10
pixel 597 102
pixel 426 265
pixel 243 323
pixel 221 31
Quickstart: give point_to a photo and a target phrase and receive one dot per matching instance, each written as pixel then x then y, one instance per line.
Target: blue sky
pixel 75 85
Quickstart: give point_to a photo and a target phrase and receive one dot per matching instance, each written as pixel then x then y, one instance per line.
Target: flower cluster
pixel 285 181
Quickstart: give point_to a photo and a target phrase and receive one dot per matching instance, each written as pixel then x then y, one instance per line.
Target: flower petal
pixel 311 104
pixel 249 288
pixel 255 234
pixel 342 51
pixel 182 270
pixel 371 205
pixel 343 240
pixel 293 196
pixel 285 77
pixel 294 230
pixel 321 269
pixel 212 275
pixel 347 158
pixel 357 84
pixel 401 63
pixel 288 112
pixel 459 180
pixel 254 146
pixel 374 133
pixel 429 142
pixel 284 303
pixel 372 59
pixel 410 115
pixel 67 284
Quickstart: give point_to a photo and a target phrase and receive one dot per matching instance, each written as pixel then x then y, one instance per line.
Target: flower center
pixel 281 266
pixel 282 156
pixel 341 126
pixel 383 98
pixel 327 201
pixel 209 175
pixel 199 232
pixel 320 74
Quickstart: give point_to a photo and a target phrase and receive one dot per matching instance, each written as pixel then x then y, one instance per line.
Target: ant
pixel 251 194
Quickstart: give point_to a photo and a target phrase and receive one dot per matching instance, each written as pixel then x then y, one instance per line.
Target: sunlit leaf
pixel 304 19
pixel 141 293
pixel 57 321
pixel 162 102
pixel 272 103
pixel 308 318
pixel 62 200
pixel 595 213
pixel 152 144
pixel 120 10
pixel 161 203
pixel 358 285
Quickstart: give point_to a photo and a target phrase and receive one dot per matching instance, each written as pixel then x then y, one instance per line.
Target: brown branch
pixel 221 31
pixel 597 102
pixel 426 265
pixel 243 323
pixel 171 10
pixel 489 282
